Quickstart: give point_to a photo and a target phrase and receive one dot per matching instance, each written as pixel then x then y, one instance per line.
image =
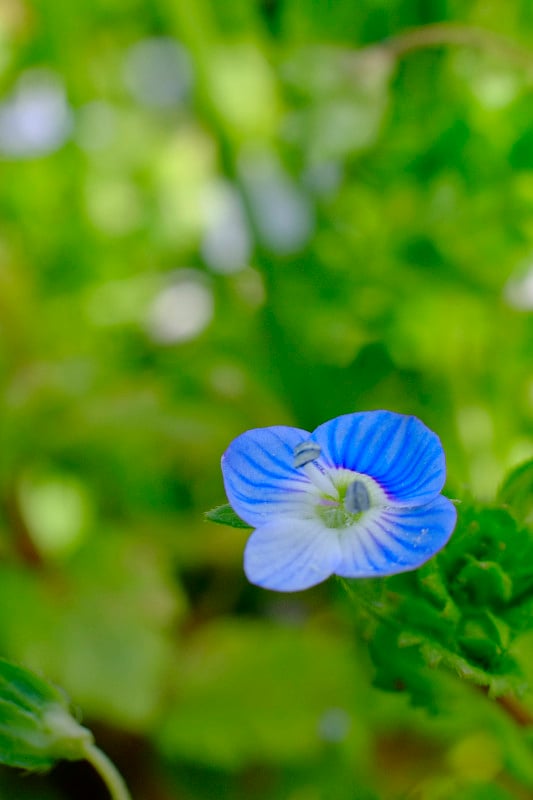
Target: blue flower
pixel 359 497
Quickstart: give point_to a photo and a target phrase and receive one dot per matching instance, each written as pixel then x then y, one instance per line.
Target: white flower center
pixel 354 496
pixel 342 496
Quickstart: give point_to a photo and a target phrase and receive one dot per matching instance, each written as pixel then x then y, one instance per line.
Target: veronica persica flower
pixel 359 497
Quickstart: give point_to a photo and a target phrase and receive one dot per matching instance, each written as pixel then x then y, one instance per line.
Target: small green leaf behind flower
pixel 36 726
pixel 225 515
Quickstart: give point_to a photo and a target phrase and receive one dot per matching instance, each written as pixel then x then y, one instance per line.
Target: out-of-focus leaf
pixel 256 692
pixel 103 632
pixel 517 491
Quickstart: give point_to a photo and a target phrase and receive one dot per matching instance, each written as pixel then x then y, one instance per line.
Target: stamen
pixel 306 452
pixel 304 455
pixel 321 480
pixel 357 498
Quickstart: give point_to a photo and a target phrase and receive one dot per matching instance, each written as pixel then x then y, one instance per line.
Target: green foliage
pixel 120 607
pixel 517 491
pixel 248 692
pixel 36 726
pixel 463 611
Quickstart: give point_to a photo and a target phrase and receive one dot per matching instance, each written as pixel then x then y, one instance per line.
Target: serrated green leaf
pixel 409 639
pixel 488 559
pixel 463 611
pixel 488 580
pixel 484 637
pixel 400 667
pixel 433 586
pixel 225 515
pixel 434 655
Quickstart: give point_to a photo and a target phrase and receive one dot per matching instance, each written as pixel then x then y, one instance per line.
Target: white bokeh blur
pixel 35 118
pixel 181 310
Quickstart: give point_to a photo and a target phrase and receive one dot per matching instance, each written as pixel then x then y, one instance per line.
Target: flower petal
pixel 259 476
pixel 289 554
pixel 400 452
pixel 395 540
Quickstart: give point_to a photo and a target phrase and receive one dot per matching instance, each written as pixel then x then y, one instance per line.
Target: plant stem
pixel 514 708
pixel 107 771
pixel 442 34
pixel 450 34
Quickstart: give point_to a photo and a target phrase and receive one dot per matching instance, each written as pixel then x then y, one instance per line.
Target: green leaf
pixel 484 637
pixel 489 581
pixel 461 612
pixel 21 687
pixel 487 561
pixel 263 699
pixel 225 515
pixel 114 670
pixel 517 491
pixel 36 727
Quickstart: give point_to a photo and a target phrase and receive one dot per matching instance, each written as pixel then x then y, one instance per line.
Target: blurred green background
pixel 222 215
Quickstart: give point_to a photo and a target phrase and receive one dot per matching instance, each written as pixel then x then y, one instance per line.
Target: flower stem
pixel 107 771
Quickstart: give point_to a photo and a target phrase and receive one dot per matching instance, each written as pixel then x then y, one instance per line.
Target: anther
pixel 357 498
pixel 306 452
